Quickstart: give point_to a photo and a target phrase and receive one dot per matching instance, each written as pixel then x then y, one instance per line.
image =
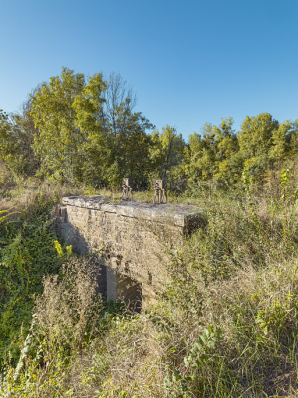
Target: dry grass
pixel 239 274
pixel 18 194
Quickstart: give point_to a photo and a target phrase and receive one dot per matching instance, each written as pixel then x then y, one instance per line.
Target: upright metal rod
pixel 160 195
pixel 126 189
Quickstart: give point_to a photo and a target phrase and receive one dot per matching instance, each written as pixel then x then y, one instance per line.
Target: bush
pixel 27 253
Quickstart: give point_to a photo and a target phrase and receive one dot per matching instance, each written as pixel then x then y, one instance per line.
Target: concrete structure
pixel 131 239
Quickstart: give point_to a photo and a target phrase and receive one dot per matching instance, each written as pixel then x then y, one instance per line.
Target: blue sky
pixel 190 62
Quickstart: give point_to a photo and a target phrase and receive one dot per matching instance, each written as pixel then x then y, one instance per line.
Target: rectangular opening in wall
pixel 130 291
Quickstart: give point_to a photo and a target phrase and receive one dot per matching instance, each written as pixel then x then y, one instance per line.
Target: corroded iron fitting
pixel 126 189
pixel 160 195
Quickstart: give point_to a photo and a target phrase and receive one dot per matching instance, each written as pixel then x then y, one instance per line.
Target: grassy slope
pixel 238 276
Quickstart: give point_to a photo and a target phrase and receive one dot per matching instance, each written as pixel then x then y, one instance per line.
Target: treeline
pixel 262 146
pixel 76 129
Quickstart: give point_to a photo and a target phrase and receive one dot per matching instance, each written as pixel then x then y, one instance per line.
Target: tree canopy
pixel 78 129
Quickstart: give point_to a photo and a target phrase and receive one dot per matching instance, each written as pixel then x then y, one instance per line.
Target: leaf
pixel 202 340
pixel 206 333
pixel 197 347
pixel 211 344
pixel 186 362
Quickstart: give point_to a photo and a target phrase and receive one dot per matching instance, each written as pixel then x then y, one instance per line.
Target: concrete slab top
pixel 179 215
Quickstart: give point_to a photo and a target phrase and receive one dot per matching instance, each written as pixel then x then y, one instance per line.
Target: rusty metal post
pixel 160 193
pixel 126 189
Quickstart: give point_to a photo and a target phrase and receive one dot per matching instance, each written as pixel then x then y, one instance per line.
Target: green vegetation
pixel 27 253
pixel 226 324
pixel 75 130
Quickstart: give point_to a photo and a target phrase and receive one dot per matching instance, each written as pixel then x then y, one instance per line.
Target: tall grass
pixel 225 326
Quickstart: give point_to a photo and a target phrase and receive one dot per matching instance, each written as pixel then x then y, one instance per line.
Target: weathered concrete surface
pixel 130 237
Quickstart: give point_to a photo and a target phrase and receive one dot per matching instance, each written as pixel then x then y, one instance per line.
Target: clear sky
pixel 190 62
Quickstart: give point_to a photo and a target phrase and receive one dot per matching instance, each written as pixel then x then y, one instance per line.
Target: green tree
pixel 202 154
pixel 167 153
pixel 16 138
pixel 212 155
pixel 66 111
pixel 284 141
pixel 88 130
pixel 256 135
pixel 256 139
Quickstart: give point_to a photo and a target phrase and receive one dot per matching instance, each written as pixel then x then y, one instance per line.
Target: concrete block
pixel 133 233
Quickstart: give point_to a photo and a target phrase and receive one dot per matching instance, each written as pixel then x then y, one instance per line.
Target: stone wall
pixel 131 239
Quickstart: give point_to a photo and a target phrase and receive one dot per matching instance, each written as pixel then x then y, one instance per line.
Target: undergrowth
pixel 27 253
pixel 226 325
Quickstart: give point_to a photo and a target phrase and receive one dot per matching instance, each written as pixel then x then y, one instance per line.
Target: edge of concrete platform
pixel 180 215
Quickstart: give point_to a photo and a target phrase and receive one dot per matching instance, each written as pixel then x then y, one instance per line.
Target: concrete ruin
pixel 131 239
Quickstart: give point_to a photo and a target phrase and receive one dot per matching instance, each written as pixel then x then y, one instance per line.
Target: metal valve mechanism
pixel 126 189
pixel 160 195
